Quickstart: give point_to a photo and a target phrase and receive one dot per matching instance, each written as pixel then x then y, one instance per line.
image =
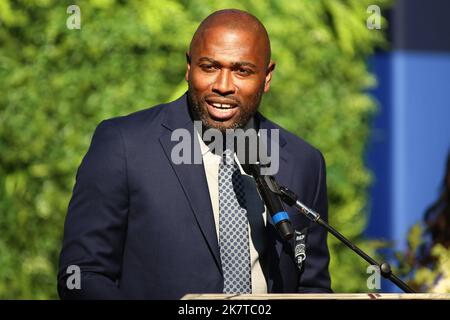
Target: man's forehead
pixel 235 43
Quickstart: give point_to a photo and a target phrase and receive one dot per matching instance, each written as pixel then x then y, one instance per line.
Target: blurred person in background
pixel 437 219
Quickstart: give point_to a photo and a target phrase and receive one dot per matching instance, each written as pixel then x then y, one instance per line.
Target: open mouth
pixel 221 111
pixel 222 106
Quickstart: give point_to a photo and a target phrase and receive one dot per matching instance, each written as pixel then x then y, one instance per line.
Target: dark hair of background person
pixel 437 217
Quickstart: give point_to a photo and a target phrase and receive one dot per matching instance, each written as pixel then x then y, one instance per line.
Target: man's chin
pixel 220 125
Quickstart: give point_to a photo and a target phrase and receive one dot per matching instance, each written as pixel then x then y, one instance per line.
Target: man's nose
pixel 224 83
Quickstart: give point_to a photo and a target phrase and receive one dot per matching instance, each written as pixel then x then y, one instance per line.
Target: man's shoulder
pixel 141 118
pixel 296 145
pixel 151 118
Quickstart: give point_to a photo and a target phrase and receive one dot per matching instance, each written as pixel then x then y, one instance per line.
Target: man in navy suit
pixel 140 226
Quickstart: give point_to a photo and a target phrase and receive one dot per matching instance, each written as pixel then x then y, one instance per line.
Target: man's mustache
pixel 216 97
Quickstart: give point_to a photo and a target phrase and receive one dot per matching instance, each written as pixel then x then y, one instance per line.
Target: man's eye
pixel 207 67
pixel 244 72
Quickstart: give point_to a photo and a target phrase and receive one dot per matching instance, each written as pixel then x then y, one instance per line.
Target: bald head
pixel 233 20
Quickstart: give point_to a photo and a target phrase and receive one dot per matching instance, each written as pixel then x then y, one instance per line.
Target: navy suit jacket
pixel 141 227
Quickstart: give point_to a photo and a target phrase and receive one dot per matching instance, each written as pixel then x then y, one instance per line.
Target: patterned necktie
pixel 233 228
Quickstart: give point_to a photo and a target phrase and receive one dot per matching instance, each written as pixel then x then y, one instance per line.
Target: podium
pixel 322 296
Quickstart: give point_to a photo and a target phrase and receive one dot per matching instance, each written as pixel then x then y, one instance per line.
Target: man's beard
pixel 201 113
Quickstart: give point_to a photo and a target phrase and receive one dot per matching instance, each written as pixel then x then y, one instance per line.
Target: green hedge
pixel 57 84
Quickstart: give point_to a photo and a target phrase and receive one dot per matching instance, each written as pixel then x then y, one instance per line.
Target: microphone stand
pixel 291 199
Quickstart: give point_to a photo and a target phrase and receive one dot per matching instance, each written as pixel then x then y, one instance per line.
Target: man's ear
pixel 269 72
pixel 188 68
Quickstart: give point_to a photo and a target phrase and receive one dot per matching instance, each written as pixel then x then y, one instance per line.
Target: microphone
pixel 250 160
pixel 272 201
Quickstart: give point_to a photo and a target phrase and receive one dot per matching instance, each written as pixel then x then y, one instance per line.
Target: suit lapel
pixel 191 176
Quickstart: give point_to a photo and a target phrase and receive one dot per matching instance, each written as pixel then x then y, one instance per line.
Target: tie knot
pixel 227 157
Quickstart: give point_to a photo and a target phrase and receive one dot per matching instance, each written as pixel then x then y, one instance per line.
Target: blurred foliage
pixel 57 84
pixel 424 266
